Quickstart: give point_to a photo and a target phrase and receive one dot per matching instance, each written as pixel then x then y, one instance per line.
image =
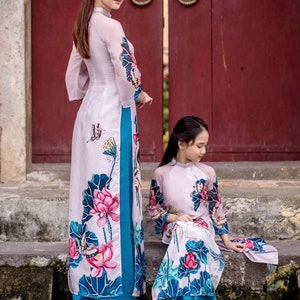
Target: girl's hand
pixel 237 247
pixel 175 218
pixel 185 218
pixel 143 99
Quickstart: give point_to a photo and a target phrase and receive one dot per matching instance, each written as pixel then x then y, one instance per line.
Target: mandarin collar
pixel 182 165
pixel 103 11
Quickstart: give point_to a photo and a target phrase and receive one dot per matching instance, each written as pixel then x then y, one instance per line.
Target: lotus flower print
pixel 73 251
pixel 190 261
pixel 102 260
pixel 105 205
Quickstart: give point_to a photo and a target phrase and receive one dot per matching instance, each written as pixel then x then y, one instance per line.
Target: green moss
pixel 284 282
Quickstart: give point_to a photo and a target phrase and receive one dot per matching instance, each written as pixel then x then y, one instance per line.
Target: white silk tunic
pixel 105 188
pixel 192 266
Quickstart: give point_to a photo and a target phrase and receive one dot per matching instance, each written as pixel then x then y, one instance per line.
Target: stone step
pixel 246 170
pixel 261 199
pixel 38 271
pixel 38 211
pixel 277 170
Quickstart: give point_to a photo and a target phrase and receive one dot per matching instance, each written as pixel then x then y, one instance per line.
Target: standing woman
pixel 106 250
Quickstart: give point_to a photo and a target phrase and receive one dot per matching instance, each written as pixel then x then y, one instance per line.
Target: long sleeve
pixel 216 210
pixel 156 208
pixel 76 78
pixel 121 51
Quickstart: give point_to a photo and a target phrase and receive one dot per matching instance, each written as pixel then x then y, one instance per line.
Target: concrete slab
pixel 36 260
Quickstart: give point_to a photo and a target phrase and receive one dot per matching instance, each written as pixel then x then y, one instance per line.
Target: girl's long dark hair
pixel 185 130
pixel 80 32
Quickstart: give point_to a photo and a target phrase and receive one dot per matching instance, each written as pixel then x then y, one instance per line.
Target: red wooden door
pixel 52 115
pixel 237 65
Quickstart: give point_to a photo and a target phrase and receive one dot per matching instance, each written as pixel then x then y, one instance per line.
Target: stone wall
pixel 14 89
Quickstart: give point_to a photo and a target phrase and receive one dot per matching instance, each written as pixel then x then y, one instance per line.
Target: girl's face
pixel 194 151
pixel 109 5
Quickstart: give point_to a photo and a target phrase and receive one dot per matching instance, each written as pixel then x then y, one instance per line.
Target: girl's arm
pixel 218 217
pixel 156 206
pixel 235 246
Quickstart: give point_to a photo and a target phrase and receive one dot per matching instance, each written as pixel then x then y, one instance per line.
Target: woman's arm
pixel 121 51
pixel 77 77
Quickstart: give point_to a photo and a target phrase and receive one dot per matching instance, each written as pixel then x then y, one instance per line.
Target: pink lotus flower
pixel 134 62
pixel 249 244
pixel 190 261
pixel 102 260
pixel 153 207
pixel 204 193
pixel 73 252
pixel 152 200
pixel 105 205
pixel 201 223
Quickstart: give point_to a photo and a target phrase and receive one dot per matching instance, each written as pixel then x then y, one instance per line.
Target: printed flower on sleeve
pixel 200 193
pixel 129 62
pixel 253 244
pixel 155 207
pixel 216 210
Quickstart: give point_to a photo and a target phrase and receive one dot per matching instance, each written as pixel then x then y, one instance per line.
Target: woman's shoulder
pixel 107 28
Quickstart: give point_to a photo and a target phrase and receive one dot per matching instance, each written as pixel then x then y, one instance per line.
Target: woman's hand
pixel 143 99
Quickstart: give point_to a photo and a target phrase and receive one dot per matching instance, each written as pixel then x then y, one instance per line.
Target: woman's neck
pixel 98 3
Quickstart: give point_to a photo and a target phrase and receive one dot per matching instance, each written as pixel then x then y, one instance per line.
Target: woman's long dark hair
pixel 185 130
pixel 81 28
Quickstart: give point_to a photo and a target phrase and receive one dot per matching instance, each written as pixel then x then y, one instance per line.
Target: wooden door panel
pixel 256 75
pixel 144 27
pixel 236 64
pixel 52 114
pixel 189 60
